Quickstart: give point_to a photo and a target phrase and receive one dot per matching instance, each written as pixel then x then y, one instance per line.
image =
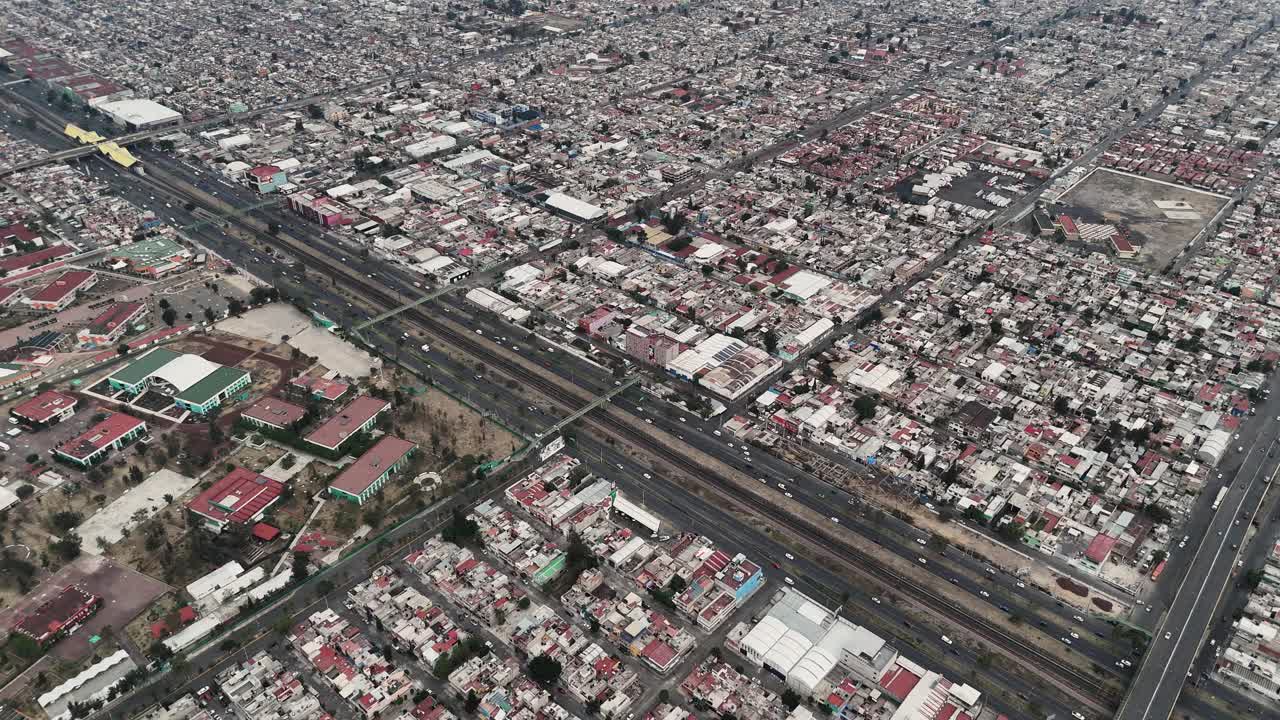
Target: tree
pixel 23 646
pixel 25 491
pixel 770 341
pixel 545 670
pixel 159 651
pixel 66 520
pixel 865 406
pixel 123 349
pixel 300 569
pixel 1062 405
pixel 937 542
pixel 209 314
pixel 461 530
pixel 472 702
pixel 169 316
pixel 68 548
pixel 790 699
pixel 1253 578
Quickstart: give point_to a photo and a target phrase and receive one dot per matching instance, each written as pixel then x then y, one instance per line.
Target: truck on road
pixel 1218 500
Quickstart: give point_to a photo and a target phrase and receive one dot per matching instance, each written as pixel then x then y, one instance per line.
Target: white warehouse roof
pixel 575 207
pixel 140 112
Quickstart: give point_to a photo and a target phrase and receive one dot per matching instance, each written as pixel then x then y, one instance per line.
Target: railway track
pixel 1095 692
pixel 318 260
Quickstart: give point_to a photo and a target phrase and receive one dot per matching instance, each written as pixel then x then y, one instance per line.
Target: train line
pixel 1094 691
pixel 318 260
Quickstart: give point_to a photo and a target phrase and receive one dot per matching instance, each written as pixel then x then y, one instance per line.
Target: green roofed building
pixel 194 383
pixel 550 571
pixel 154 256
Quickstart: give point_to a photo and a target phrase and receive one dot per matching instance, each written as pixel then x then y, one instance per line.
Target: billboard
pixel 551 448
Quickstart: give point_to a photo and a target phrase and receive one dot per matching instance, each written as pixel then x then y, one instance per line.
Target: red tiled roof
pixel 21 262
pixel 334 431
pixel 274 411
pixel 43 406
pixel 66 284
pixel 1100 548
pixel 359 475
pixel 265 532
pixel 100 435
pixel 237 497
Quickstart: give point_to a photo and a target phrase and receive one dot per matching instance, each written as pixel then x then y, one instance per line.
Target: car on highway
pixel 948 640
pixel 789 556
pixel 984 593
pixel 1066 640
pixel 1168 635
pixel 1021 585
pixel 1077 618
pixel 788 581
pixel 875 600
pixel 923 561
pixel 921 541
pixel 834 519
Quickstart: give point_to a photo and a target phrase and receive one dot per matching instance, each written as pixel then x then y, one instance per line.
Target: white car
pixel 1077 618
pixel 788 581
pixel 923 561
pixel 716 433
pixel 984 593
pixel 787 494
pixel 1168 635
pixel 781 486
pixel 835 519
pixel 763 481
pixel 1075 636
pixel 789 556
pixel 1021 585
pixel 647 476
pixel 875 600
pixel 1066 640
pixel 921 541
pixel 426 348
pixel 948 640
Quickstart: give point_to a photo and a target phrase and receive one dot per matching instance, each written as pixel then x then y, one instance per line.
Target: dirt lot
pixel 446 428
pixel 1113 197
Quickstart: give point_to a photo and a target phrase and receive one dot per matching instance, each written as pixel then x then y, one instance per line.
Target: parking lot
pixel 43 441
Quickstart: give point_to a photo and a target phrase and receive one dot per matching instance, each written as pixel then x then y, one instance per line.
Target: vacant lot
pixel 1162 216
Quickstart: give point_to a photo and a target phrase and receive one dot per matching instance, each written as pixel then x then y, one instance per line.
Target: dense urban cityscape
pixel 546 360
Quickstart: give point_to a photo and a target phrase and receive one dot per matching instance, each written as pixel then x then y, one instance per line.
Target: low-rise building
pixel 59 294
pixel 112 324
pixel 274 413
pixel 242 496
pixel 363 478
pixel 58 616
pixel 48 408
pixel 358 416
pixel 93 446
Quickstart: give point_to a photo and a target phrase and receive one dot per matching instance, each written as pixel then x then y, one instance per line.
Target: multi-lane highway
pixel 1182 630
